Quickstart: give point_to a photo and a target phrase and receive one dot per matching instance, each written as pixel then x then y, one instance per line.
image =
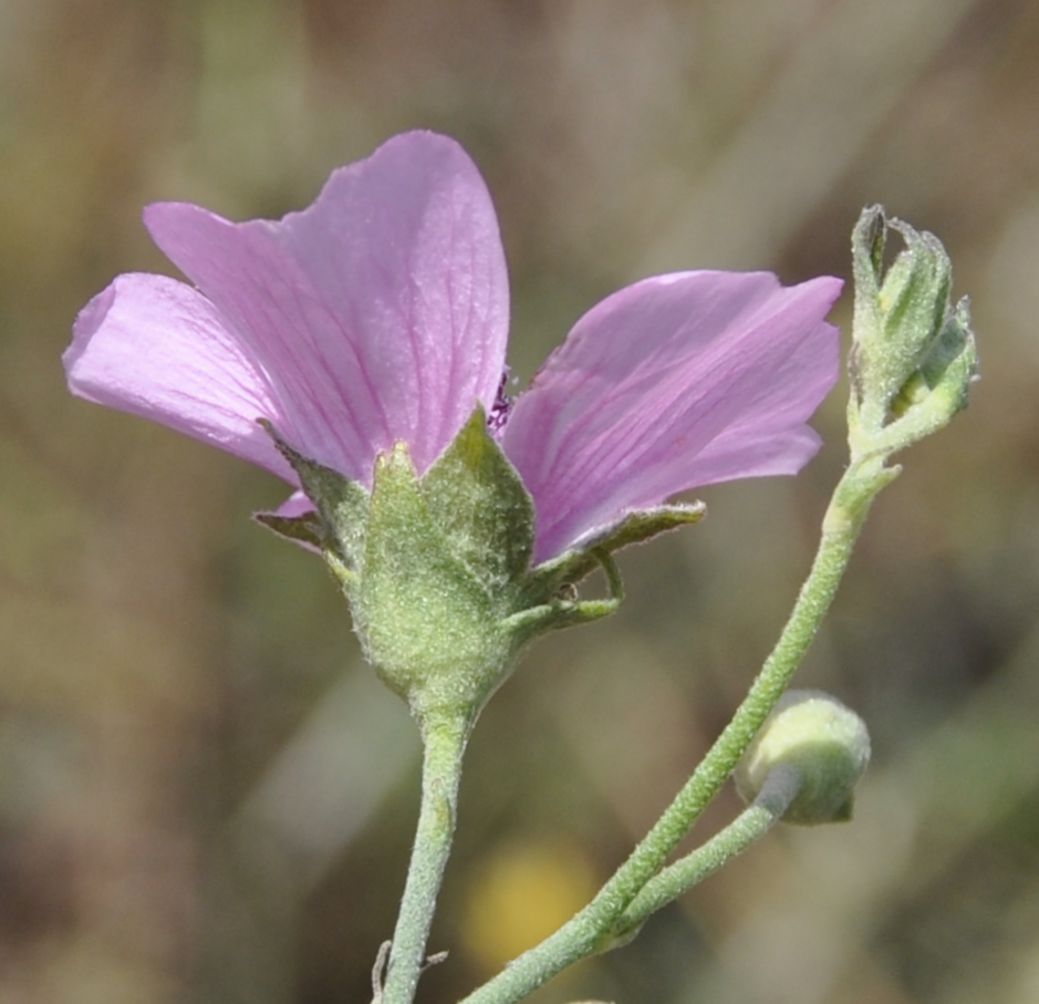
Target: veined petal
pixel 674 382
pixel 155 347
pixel 380 313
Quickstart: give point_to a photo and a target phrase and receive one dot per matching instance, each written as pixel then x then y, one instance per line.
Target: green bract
pixel 913 355
pixel 437 568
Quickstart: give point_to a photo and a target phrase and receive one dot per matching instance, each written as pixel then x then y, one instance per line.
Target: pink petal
pixel 297 504
pixel 379 314
pixel 674 382
pixel 155 347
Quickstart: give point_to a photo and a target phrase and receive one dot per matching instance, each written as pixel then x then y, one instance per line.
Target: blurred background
pixel 205 796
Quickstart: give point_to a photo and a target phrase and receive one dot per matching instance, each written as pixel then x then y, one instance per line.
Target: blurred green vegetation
pixel 204 794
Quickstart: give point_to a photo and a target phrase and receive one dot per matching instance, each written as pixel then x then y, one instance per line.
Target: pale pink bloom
pixel 380 314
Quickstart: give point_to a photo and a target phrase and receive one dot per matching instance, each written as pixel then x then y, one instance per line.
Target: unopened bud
pixel 821 739
pixel 913 355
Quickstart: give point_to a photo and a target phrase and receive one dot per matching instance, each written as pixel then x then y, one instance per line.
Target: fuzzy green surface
pixel 913 356
pixel 824 741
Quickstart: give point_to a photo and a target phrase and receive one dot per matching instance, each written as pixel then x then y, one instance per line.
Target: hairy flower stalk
pixel 356 351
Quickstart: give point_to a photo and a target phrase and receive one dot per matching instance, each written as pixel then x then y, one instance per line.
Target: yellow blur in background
pixel 204 794
pixel 522 895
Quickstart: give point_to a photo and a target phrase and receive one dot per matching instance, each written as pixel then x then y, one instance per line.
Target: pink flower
pixel 380 314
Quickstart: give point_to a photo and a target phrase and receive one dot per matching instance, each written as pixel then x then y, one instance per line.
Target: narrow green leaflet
pixel 635 528
pixel 306 529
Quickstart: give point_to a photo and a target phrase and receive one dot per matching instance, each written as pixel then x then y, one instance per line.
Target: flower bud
pixel 913 354
pixel 827 745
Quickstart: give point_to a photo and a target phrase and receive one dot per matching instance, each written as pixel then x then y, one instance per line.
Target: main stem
pixel 588 931
pixel 443 744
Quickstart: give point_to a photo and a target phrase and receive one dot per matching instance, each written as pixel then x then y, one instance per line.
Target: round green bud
pixel 820 738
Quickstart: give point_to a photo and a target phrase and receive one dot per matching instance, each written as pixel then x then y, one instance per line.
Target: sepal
pixel 480 507
pixel 341 504
pixel 425 621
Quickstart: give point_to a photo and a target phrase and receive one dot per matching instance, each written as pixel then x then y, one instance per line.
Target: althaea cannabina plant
pixel 368 334
pixel 357 350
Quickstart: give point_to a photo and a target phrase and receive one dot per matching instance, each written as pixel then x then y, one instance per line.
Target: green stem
pixel 781 787
pixel 587 932
pixel 443 745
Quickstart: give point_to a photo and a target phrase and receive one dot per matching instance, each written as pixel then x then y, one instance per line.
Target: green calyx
pixel 913 355
pixel 437 569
